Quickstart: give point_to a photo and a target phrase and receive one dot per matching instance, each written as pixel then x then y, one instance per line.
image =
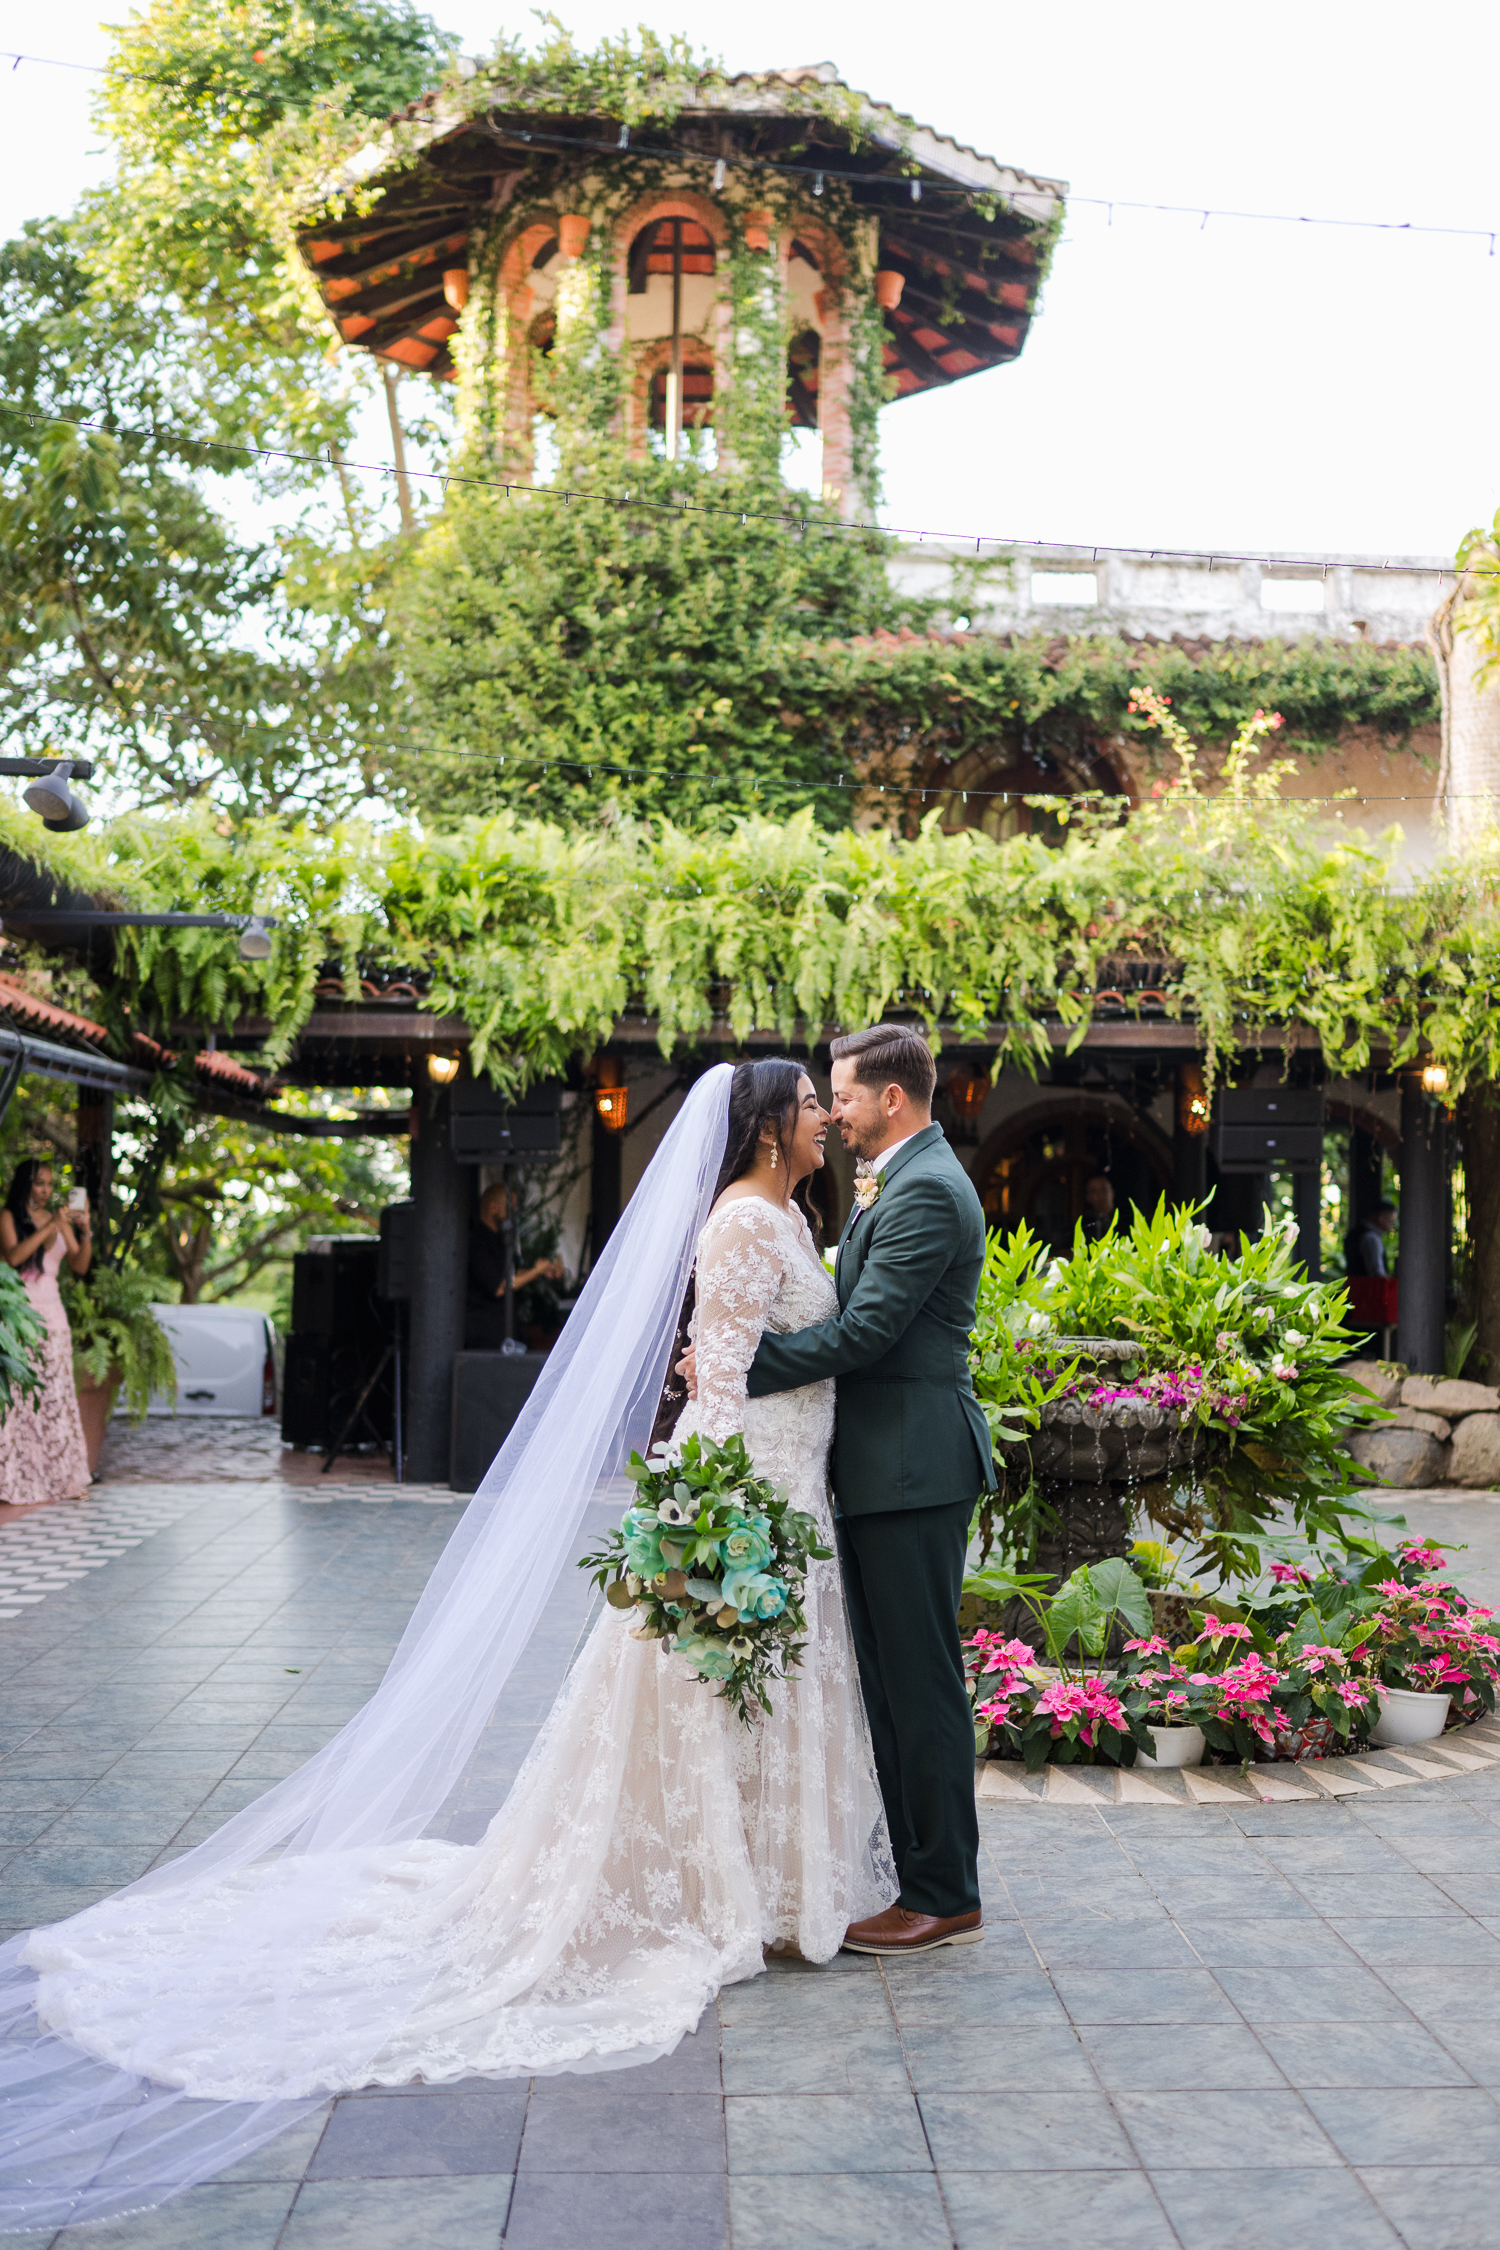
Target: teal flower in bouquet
pixel 754 1594
pixel 642 1542
pixel 712 1559
pixel 746 1546
pixel 711 1660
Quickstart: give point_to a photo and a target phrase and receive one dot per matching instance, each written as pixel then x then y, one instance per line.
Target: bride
pixel 652 1846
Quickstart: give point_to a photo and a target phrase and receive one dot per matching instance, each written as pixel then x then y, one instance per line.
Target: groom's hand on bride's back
pixel 687 1368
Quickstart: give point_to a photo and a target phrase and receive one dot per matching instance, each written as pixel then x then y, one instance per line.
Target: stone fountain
pixel 1088 1461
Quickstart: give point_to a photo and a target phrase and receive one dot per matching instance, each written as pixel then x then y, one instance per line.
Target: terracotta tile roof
pixel 212 1067
pixel 50 1022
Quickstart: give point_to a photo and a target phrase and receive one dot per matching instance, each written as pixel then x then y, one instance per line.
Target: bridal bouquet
pixel 714 1558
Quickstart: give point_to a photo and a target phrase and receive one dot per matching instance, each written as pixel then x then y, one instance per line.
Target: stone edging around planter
pixel 1468 1750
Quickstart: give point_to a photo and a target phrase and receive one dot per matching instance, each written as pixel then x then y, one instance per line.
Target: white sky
pixel 1231 385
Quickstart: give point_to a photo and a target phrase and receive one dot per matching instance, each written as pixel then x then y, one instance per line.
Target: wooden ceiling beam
pixel 912 355
pixel 921 274
pixel 393 298
pixel 964 335
pixel 426 250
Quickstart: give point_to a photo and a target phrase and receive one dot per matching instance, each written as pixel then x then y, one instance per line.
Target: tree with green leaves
pixel 207 106
pixel 125 595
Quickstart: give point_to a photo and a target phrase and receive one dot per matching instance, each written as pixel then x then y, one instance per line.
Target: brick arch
pixel 833 258
pixel 650 359
pixel 515 265
pixel 514 276
pixel 684 204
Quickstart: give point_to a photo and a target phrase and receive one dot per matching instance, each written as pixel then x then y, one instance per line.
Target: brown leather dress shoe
pixel 898 1930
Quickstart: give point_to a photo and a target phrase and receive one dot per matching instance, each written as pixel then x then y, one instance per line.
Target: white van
pixel 226 1360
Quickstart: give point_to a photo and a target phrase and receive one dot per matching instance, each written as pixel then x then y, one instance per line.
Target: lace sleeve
pixel 739 1280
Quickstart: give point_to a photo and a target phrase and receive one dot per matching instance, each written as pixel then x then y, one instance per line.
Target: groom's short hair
pixel 890 1053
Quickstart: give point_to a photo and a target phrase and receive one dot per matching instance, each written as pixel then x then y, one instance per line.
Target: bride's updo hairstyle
pixel 763 1093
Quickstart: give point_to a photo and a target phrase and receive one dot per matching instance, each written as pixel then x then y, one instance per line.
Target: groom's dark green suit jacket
pixel 910 1432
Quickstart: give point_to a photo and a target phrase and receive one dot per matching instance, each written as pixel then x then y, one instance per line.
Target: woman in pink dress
pixel 42 1453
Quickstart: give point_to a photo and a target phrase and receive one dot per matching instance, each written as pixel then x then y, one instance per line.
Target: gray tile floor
pixel 1197 2026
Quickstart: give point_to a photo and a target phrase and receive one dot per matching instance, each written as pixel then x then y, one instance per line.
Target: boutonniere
pixel 866 1185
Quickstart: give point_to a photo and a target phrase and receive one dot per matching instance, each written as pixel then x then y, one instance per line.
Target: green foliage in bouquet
pixel 1240 1352
pixel 23 1336
pixel 714 1557
pixel 114 1327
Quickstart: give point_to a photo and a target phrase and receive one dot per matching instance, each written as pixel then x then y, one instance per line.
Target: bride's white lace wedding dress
pixel 651 1846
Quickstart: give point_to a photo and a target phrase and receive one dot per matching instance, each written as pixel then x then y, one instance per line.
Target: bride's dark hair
pixel 764 1093
pixel 761 1093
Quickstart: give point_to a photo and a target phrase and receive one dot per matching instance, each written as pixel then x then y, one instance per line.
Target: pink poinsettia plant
pixel 1428 1639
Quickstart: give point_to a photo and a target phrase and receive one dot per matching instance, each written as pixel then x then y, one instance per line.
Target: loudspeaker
pixel 1269 1129
pixel 336 1341
pixel 489 1391
pixel 486 1129
pixel 394 1265
pixel 332 1289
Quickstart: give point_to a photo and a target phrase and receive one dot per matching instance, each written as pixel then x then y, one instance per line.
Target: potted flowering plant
pixel 1067 1708
pixel 1431 1656
pixel 1161 1695
pixel 1206 1386
pixel 1431 1653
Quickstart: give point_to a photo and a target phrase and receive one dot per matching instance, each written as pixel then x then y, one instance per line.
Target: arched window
pixel 987 789
pixel 669 246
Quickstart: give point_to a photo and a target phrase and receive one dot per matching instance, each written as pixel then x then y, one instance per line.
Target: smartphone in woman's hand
pixel 78 1202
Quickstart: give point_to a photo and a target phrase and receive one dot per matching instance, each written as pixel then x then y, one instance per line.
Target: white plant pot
pixel 1175 1746
pixel 1408 1717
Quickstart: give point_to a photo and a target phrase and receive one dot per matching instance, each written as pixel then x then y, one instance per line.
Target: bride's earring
pixel 774 1156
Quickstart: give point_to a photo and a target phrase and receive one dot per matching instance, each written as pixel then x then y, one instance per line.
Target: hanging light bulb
pixel 442 1069
pixel 1434 1078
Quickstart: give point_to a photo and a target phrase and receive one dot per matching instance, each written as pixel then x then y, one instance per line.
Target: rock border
pixel 1476 1749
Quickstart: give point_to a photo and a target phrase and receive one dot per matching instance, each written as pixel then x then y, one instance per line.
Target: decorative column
pixel 440 1252
pixel 1423 1266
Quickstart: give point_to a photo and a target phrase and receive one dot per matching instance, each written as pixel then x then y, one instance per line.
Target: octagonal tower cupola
pixel 775 251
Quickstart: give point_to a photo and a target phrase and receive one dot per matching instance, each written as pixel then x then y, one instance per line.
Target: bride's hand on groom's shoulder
pixel 687 1368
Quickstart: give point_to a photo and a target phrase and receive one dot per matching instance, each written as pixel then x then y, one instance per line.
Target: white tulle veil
pixel 82 2140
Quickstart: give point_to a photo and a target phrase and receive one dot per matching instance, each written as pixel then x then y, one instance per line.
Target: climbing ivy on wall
pixel 543 642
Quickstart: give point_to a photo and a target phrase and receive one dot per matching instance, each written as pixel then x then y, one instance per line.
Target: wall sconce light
pixel 612 1106
pixel 255 939
pixel 1192 1100
pixel 611 1094
pixel 968 1090
pixel 1434 1078
pixel 442 1069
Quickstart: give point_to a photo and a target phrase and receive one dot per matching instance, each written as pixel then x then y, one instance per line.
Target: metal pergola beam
pixel 46 1060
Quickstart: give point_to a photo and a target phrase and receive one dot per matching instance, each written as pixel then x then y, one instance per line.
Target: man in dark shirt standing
pixel 484 1316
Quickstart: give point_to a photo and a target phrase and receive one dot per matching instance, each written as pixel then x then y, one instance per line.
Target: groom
pixel 910 1453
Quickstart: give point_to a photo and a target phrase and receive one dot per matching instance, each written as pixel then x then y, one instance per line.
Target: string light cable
pixel 781 518
pixel 818 172
pixel 586 767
